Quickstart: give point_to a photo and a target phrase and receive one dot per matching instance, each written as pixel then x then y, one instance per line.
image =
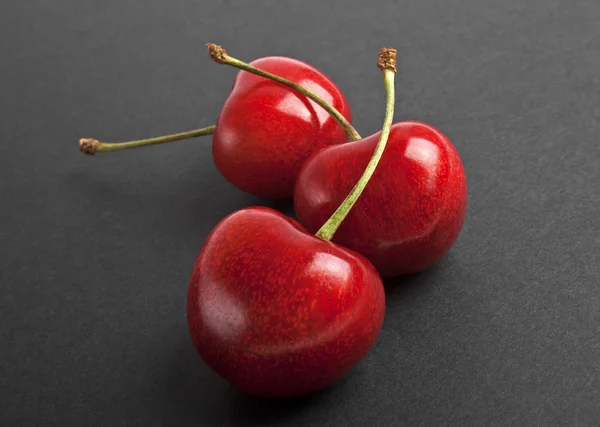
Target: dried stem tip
pixel 387 59
pixel 88 145
pixel 217 53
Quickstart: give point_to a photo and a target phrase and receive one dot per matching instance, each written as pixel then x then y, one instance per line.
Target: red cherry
pixel 411 212
pixel 266 130
pixel 279 112
pixel 277 311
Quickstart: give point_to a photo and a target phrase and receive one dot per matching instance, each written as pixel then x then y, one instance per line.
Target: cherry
pixel 277 311
pixel 410 215
pixel 265 131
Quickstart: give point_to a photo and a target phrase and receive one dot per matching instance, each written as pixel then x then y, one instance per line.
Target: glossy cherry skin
pixel 412 209
pixel 266 130
pixel 279 312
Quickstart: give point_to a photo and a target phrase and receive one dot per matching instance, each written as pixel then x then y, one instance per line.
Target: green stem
pixel 219 55
pixel 387 63
pixel 93 146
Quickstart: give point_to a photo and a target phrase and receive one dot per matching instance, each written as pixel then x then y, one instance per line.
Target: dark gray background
pixel 96 253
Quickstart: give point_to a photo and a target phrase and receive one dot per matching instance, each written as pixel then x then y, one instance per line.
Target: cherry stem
pixel 387 64
pixel 92 146
pixel 220 56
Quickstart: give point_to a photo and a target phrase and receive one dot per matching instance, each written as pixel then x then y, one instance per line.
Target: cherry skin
pixel 279 312
pixel 265 130
pixel 410 213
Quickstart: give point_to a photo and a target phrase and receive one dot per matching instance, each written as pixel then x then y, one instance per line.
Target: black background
pixel 96 253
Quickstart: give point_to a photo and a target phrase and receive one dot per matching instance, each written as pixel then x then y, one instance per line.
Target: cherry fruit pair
pixel 272 308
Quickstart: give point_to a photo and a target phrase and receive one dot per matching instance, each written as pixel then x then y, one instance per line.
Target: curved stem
pixel 387 64
pixel 219 55
pixel 92 146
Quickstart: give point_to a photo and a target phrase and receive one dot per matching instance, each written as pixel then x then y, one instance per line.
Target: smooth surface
pixel 411 211
pixel 279 312
pixel 97 253
pixel 265 131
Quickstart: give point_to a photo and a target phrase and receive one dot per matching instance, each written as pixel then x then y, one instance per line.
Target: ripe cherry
pixel 266 131
pixel 411 213
pixel 277 311
pixel 268 126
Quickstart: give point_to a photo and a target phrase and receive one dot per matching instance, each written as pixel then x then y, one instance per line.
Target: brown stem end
pixel 88 146
pixel 387 59
pixel 217 53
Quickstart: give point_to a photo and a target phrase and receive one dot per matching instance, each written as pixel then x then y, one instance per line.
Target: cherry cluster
pixel 280 307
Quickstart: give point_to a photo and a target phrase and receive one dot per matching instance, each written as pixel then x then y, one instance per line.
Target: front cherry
pixel 411 212
pixel 277 311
